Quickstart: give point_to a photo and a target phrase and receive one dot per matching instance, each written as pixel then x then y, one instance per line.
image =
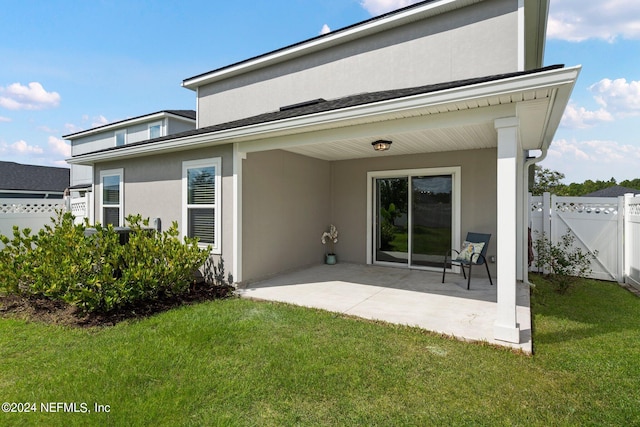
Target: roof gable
pixel 377 24
pixel 182 114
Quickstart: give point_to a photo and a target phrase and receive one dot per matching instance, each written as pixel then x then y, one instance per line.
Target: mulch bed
pixel 61 313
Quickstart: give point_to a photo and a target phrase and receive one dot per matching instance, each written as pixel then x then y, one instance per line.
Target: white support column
pixel 238 157
pixel 506 327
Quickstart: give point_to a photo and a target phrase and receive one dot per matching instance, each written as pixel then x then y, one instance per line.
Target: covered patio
pixel 401 296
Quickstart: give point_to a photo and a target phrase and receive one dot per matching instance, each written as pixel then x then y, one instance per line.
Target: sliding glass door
pixel 414 219
pixel 392 220
pixel 431 220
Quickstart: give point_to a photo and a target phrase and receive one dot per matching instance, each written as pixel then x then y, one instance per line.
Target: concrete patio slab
pixel 401 296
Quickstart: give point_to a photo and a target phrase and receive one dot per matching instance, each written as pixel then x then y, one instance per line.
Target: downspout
pixel 526 209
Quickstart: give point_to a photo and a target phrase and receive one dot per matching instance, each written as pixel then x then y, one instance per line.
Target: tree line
pixel 547 180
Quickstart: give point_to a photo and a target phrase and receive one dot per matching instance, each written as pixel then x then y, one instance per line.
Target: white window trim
pixel 454 171
pixel 115 137
pixel 216 162
pixel 158 123
pixel 100 195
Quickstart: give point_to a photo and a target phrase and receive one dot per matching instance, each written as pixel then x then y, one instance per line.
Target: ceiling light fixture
pixel 381 145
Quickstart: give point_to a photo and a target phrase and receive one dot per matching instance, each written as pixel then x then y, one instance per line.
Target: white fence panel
pixel 597 223
pixel 31 213
pixel 81 208
pixel 632 241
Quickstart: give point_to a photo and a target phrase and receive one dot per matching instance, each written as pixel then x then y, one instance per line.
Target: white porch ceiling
pixel 429 140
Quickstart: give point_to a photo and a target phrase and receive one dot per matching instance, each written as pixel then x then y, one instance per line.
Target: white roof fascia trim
pixel 548 79
pixel 313 45
pixel 125 123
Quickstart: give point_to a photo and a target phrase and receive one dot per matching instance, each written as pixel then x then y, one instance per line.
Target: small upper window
pixel 155 130
pixel 121 138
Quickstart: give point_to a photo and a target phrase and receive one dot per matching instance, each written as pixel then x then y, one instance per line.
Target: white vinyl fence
pixel 28 213
pixel 606 225
pixel 632 242
pixel 81 208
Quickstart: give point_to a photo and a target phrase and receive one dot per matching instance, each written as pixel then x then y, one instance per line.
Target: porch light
pixel 381 145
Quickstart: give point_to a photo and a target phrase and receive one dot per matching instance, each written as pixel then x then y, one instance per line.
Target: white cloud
pixel 567 150
pixel 593 159
pixel 71 128
pixel 5 119
pixel 575 117
pixel 378 7
pixel 595 152
pixel 31 97
pixel 579 20
pixel 95 122
pixel 325 29
pixel 618 96
pixel 59 146
pixel 47 129
pixel 99 121
pixel 22 147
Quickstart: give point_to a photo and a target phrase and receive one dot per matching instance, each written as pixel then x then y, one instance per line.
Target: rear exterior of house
pixel 124 132
pixel 283 146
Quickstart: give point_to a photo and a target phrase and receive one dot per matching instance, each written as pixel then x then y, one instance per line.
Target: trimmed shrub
pixel 96 272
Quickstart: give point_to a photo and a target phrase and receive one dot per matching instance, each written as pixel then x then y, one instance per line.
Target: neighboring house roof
pixel 16 176
pixel 536 25
pixel 614 191
pixel 183 114
pixel 320 105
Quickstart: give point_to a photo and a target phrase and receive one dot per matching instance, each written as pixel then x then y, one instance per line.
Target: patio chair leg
pixel 488 274
pixel 469 278
pixel 444 268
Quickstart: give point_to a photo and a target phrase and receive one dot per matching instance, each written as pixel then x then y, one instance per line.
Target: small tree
pixel 546 180
pixel 563 260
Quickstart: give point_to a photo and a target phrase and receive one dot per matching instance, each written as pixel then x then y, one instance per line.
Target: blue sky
pixel 71 65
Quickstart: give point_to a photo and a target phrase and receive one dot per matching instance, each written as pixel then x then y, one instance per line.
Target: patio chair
pixel 473 252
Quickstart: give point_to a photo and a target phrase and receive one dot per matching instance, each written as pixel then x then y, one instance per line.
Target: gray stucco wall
pixel 349 189
pixel 476 41
pixel 289 200
pixel 153 188
pixel 177 126
pixel 286 208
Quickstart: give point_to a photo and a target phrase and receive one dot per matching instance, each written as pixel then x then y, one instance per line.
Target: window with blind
pixel 111 197
pixel 200 196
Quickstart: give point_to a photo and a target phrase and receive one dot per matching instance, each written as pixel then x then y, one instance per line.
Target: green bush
pixel 563 261
pixel 96 272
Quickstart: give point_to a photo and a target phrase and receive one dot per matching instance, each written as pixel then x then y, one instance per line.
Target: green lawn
pixel 240 362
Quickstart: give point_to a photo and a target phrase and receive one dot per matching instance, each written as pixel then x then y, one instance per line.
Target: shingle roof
pixel 319 106
pixel 614 191
pixel 16 176
pixel 189 114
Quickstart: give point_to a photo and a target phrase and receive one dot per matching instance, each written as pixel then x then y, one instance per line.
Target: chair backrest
pixel 480 238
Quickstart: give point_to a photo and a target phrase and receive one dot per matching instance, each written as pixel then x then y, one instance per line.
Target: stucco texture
pixel 153 188
pixel 289 200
